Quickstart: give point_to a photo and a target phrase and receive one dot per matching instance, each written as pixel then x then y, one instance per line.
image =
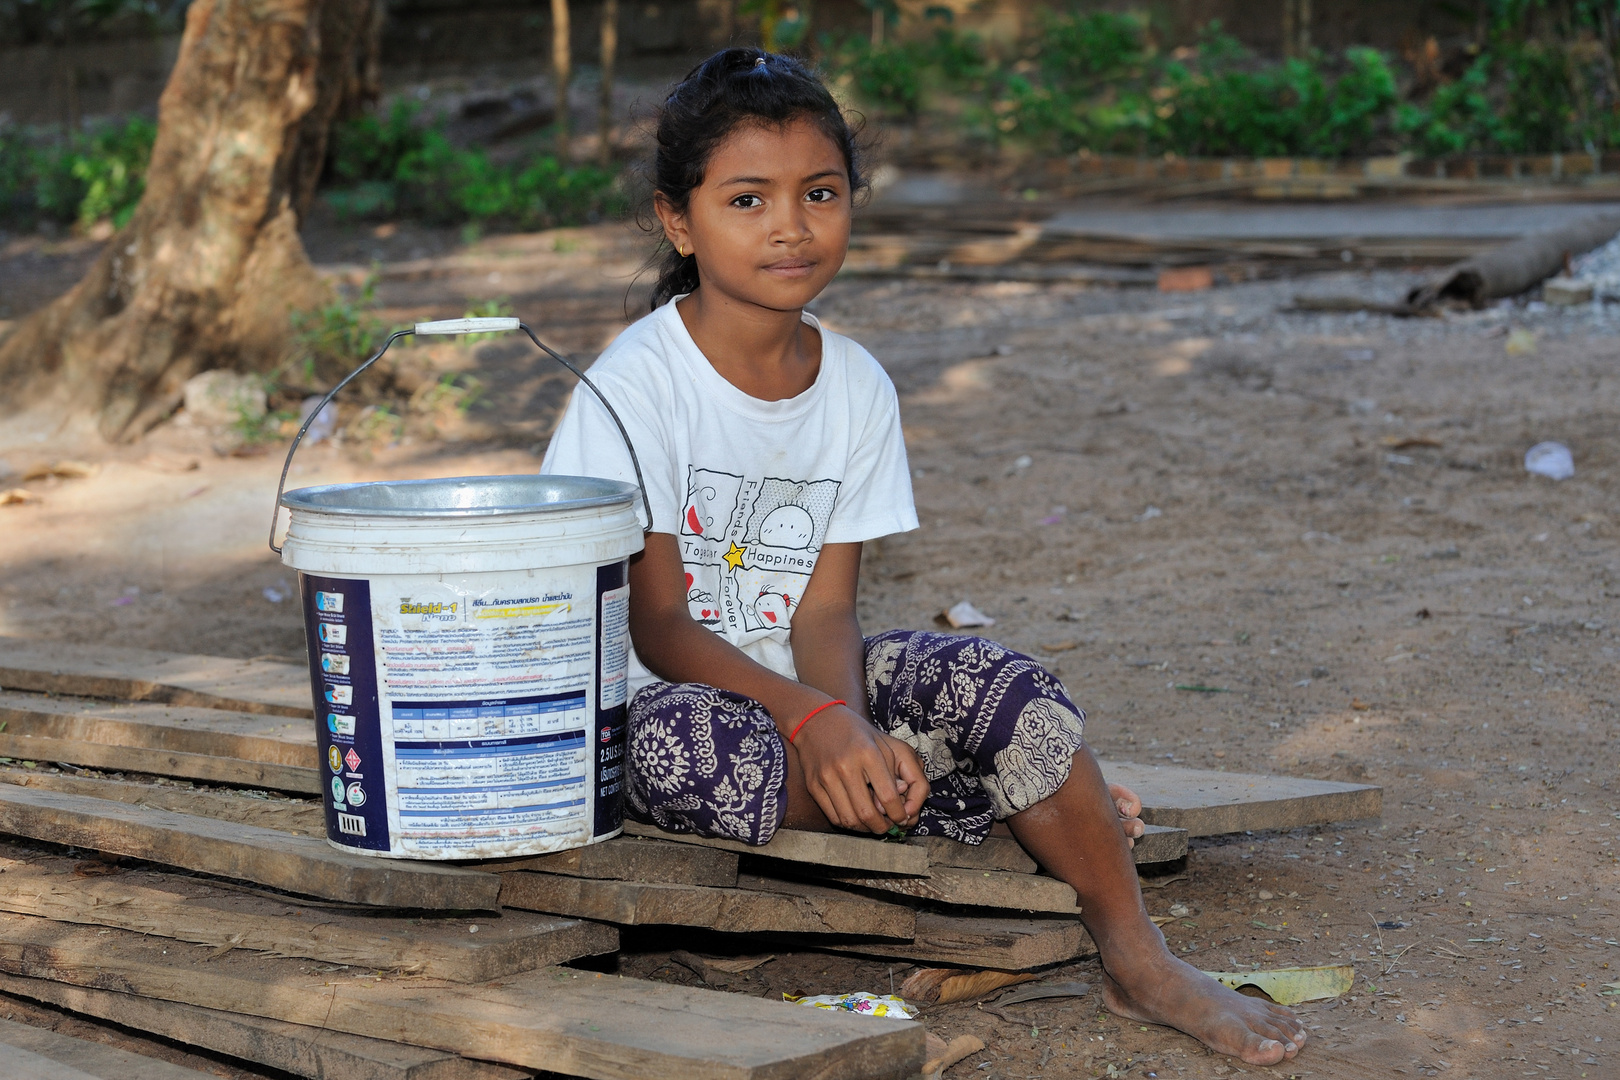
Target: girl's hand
pixel 1129 806
pixel 858 776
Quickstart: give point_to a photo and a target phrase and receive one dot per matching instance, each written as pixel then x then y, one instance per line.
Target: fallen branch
pixel 1516 267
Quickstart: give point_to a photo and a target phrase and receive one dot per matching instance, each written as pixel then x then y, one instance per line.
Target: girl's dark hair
pixel 731 88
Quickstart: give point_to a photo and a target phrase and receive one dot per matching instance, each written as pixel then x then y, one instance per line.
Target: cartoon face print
pixel 771 608
pixel 787 526
pixel 701 603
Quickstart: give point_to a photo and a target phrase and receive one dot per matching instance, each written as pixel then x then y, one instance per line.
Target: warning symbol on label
pixel 334 758
pixel 351 759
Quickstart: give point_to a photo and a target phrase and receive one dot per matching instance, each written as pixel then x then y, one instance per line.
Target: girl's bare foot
pixel 1167 991
pixel 1075 834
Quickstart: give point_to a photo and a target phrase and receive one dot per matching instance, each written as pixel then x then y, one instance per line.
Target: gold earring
pixel 682 250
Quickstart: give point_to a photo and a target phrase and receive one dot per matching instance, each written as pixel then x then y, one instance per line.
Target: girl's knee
pixel 706 761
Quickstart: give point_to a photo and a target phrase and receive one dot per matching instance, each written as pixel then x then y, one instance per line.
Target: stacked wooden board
pixel 228 922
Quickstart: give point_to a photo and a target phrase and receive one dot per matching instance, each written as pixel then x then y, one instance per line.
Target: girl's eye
pixel 747 202
pixel 822 194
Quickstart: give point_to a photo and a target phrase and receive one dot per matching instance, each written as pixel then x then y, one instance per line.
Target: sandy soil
pixel 1323 521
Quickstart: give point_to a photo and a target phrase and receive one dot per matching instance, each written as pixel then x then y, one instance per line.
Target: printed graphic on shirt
pixel 711 499
pixel 749 546
pixel 703 594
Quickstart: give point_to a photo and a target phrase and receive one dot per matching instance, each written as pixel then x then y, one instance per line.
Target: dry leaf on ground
pixel 1289 986
pixel 941 986
pixel 942 1055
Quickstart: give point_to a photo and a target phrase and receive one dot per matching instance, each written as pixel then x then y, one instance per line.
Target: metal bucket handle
pixel 456 326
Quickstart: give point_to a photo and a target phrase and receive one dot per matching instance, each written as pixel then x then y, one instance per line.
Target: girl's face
pixel 770 223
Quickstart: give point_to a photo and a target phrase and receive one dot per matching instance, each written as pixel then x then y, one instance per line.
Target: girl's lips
pixel 791 267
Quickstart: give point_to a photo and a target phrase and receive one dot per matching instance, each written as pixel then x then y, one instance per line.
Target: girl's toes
pixel 1262 1051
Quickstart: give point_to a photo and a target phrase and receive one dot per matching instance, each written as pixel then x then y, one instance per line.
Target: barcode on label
pixel 351 825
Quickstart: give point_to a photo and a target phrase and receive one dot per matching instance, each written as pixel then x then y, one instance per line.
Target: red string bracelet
pixel 812 712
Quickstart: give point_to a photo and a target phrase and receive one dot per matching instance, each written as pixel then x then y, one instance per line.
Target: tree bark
pixel 210 266
pixel 610 53
pixel 562 64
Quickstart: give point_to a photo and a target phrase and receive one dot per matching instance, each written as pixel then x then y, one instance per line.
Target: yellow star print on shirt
pixel 734 557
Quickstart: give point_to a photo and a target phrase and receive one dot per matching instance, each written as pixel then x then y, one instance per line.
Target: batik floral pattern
pixel 706 761
pixel 995 732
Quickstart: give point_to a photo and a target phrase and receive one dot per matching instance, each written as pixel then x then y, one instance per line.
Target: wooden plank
pixel 297 816
pixel 28 1052
pixel 463 950
pixel 754 907
pixel 568 1021
pixel 200 744
pixel 294 1048
pixel 979 942
pixel 1209 803
pixel 1156 844
pixel 992 853
pixel 631 858
pixel 823 849
pixel 298 864
pixel 1160 843
pixel 108 671
pixel 973 888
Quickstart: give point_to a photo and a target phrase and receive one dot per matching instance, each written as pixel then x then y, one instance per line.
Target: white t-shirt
pixel 750 489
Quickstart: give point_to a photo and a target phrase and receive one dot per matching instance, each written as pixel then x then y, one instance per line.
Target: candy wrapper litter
pixel 861 1002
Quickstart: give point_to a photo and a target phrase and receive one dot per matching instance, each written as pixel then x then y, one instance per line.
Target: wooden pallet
pixel 110 671
pixel 285 936
pixel 462 948
pixel 554 1018
pixel 31 1053
pixel 298 1049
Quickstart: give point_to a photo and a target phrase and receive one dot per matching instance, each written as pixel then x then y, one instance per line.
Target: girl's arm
pixel 829 654
pixel 850 767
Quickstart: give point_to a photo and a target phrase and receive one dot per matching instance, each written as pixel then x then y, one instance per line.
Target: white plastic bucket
pixel 468 656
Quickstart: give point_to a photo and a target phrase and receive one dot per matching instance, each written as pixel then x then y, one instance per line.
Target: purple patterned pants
pixel 995 732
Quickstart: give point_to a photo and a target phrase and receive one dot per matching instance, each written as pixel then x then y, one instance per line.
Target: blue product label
pixel 611 730
pixel 343 683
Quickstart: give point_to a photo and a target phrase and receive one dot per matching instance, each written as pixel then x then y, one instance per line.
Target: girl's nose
pixel 792 227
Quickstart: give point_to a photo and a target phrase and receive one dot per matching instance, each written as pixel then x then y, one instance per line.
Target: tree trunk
pixel 610 53
pixel 210 266
pixel 563 65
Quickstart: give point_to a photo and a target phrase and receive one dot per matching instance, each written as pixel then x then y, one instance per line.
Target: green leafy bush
pixel 893 78
pixel 1097 81
pixel 1227 104
pixel 98 175
pixel 1457 118
pixel 397 163
pixel 332 340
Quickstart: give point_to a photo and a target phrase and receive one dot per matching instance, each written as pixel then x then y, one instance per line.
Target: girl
pixel 771 449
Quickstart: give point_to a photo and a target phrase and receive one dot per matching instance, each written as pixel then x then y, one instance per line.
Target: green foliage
pixel 396 163
pixel 1097 81
pixel 98 175
pixel 333 339
pixel 1226 104
pixel 497 308
pixel 112 169
pixel 1457 118
pixel 894 77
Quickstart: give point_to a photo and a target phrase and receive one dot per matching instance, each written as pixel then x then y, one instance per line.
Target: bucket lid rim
pixel 606 493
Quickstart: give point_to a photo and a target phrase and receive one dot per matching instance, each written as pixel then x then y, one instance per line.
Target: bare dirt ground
pixel 1323 522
